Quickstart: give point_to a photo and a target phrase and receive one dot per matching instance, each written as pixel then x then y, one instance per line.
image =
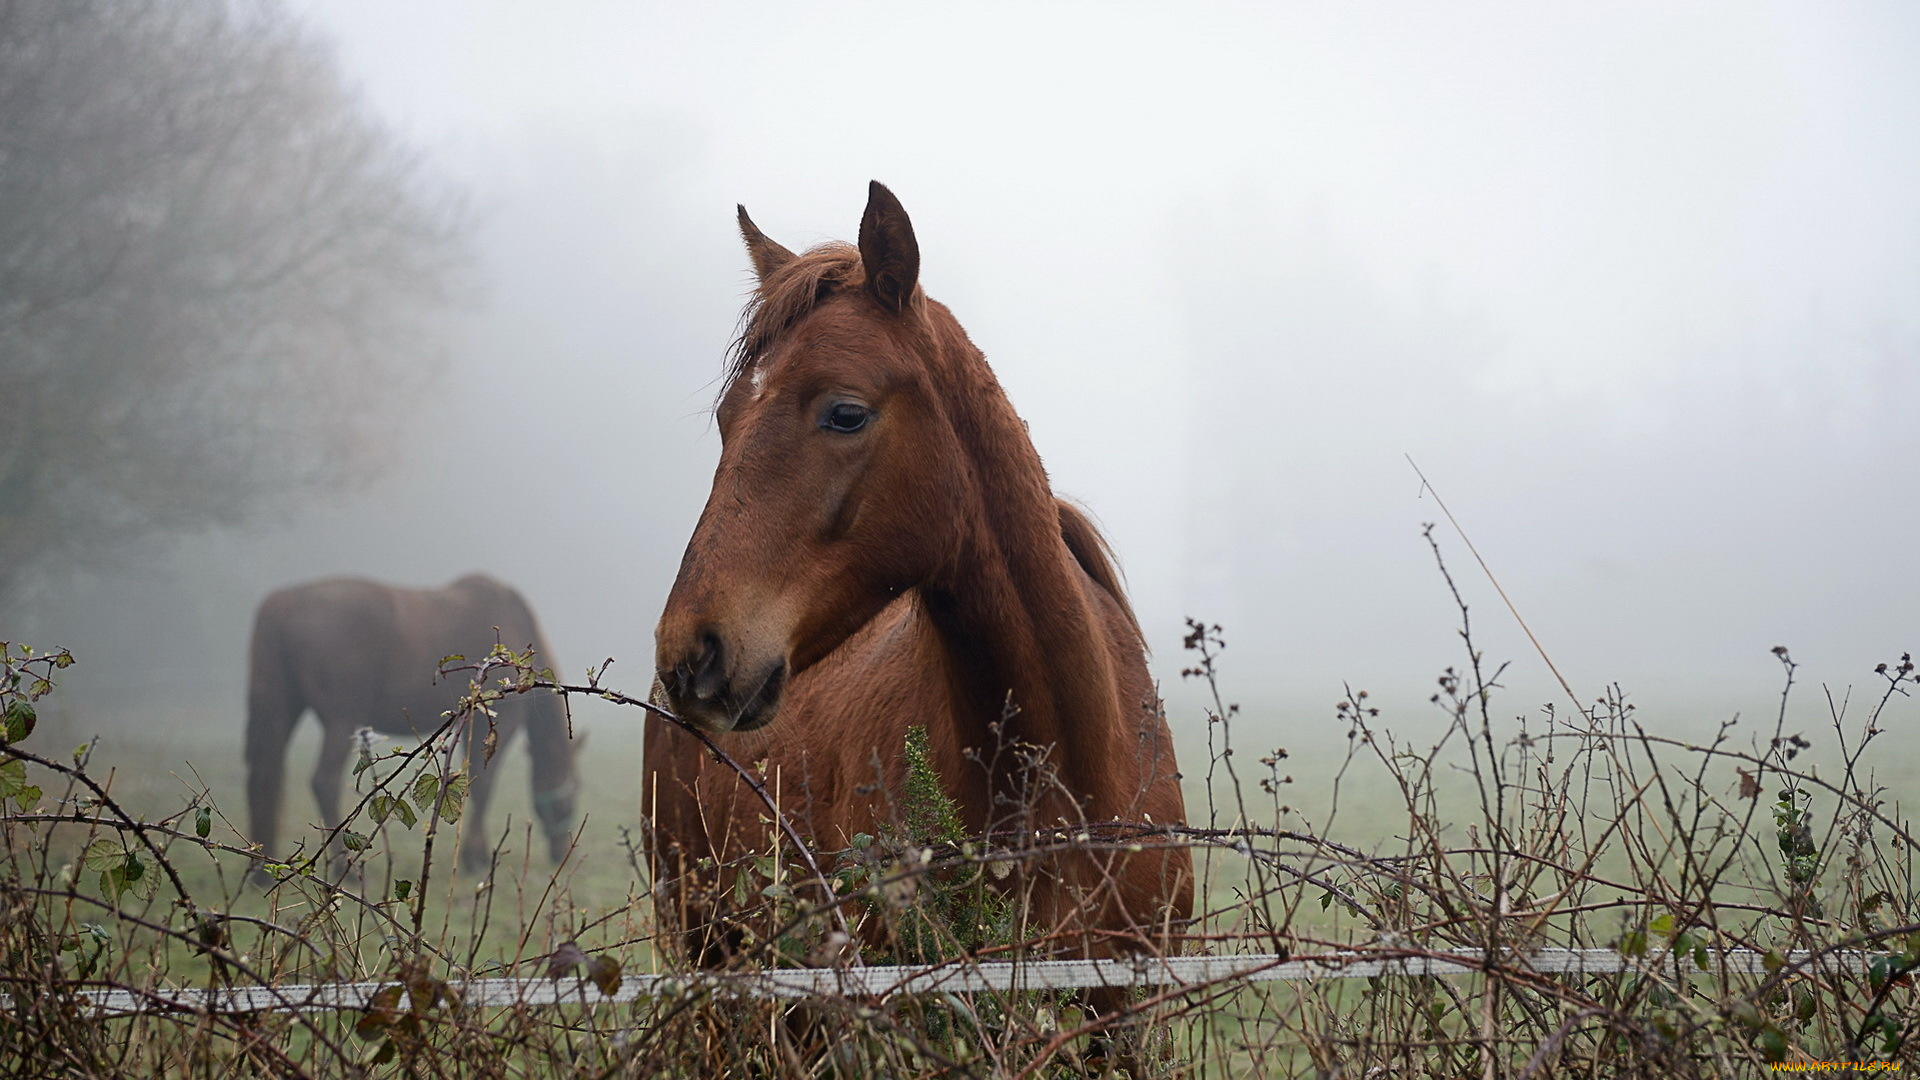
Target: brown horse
pixel 362 654
pixel 881 549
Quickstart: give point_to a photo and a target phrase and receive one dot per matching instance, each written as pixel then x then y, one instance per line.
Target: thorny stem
pixel 721 757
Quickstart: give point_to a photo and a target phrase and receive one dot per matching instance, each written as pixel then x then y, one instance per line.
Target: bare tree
pixel 218 275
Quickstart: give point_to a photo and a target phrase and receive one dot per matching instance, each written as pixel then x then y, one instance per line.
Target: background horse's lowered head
pixel 882 550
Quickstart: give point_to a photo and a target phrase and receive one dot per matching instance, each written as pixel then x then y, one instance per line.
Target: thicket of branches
pixel 1764 909
pixel 218 273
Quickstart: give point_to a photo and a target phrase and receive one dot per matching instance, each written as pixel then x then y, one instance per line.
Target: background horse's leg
pixel 336 742
pixel 273 708
pixel 267 736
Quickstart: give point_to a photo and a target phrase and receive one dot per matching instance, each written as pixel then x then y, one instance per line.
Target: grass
pixel 1567 827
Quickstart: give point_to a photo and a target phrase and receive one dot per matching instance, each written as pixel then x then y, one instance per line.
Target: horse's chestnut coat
pixel 881 549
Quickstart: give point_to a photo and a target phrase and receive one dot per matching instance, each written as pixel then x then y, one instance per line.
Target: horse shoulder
pixel 850 716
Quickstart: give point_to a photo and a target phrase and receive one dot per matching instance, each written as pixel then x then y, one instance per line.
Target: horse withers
pixel 881 550
pixel 361 654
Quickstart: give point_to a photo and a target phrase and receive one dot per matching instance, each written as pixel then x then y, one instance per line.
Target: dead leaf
pixel 605 973
pixel 565 959
pixel 382 1009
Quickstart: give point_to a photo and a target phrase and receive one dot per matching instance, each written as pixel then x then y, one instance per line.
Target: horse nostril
pixel 709 677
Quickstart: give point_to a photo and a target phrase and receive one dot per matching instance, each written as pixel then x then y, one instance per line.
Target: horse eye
pixel 846 417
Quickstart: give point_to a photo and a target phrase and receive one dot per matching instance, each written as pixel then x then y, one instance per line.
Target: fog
pixel 1637 288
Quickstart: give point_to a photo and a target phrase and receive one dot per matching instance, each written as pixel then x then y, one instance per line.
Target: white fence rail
pixel 956 977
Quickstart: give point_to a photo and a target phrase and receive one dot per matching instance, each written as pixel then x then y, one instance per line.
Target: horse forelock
pixel 794 291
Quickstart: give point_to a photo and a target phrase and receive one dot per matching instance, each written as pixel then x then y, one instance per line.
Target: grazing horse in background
pixel 881 549
pixel 362 654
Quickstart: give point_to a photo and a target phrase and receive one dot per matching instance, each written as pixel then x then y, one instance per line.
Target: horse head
pixel 841 483
pixel 556 784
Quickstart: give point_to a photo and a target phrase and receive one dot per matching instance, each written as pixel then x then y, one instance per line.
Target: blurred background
pixel 1637 286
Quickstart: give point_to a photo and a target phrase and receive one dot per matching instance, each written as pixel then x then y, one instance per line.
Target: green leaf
pixel 1878 971
pixel 203 822
pixel 380 807
pixel 402 889
pixel 426 791
pixel 121 871
pixel 1773 1044
pixel 13 784
pixel 407 816
pixel 453 799
pixel 354 841
pixel 19 722
pixel 1661 925
pixel 94 946
pixel 101 853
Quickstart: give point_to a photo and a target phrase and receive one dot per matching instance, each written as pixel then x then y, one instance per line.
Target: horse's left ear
pixel 887 249
pixel 767 256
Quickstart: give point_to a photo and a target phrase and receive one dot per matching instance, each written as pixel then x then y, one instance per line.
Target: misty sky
pixel 1638 287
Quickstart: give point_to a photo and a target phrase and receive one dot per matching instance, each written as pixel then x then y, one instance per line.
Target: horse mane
pixel 788 295
pixel 1095 556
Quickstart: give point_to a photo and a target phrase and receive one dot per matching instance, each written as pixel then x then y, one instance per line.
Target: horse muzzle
pixel 707 690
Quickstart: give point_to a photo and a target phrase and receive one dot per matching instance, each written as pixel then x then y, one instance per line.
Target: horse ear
pixel 887 249
pixel 767 255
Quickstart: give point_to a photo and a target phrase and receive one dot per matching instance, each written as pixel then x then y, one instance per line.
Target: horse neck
pixel 1013 610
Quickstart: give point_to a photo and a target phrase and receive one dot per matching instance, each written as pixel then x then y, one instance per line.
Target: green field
pixel 1455 827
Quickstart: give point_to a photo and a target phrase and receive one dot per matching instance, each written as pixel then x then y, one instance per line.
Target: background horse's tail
pixel 1090 549
pixel 273 704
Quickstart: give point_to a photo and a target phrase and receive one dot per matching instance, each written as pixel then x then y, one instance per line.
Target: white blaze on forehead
pixel 757 378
